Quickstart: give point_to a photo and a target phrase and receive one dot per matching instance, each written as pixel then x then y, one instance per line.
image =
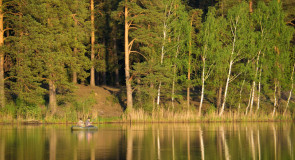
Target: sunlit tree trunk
pixel 52 97
pixel 2 93
pixel 92 71
pixel 290 94
pixel 250 95
pixel 127 61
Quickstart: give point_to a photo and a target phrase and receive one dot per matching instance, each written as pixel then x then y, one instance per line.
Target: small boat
pixel 79 128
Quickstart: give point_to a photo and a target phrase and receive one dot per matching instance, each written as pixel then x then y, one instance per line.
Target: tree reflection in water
pixel 150 141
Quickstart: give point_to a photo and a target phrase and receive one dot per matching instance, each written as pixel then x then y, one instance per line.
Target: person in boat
pixel 88 123
pixel 81 123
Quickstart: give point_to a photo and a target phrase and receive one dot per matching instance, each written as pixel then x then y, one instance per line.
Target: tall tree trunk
pixel 127 67
pixel 2 93
pixel 290 94
pixel 203 86
pixel 92 71
pixel 229 70
pixel 52 97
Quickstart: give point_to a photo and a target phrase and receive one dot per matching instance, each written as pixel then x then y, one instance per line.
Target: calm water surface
pixel 150 142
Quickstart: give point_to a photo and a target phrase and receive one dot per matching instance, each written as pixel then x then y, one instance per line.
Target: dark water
pixel 150 142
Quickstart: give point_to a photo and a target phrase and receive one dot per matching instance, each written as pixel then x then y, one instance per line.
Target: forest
pixel 191 58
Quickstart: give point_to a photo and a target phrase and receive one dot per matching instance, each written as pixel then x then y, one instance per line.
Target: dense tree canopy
pixel 223 55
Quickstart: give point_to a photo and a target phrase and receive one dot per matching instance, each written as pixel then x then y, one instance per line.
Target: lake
pixel 162 141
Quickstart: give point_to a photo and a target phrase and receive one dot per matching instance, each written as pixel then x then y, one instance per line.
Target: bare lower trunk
pixel 92 71
pixel 275 101
pixel 52 97
pixel 290 94
pixel 247 108
pixel 203 86
pixel 252 96
pixel 2 93
pixel 259 91
pixel 226 87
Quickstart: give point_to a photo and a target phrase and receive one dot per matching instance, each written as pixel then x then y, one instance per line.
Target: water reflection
pixel 150 141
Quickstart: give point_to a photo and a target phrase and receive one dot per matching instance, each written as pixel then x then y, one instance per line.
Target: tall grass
pixel 162 115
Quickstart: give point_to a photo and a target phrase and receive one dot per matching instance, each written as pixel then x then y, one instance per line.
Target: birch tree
pixel 237 18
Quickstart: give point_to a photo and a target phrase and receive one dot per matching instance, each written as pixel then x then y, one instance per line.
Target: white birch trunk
pixel 249 102
pixel 259 90
pixel 275 101
pixel 203 86
pixel 226 88
pixel 290 94
pixel 229 70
